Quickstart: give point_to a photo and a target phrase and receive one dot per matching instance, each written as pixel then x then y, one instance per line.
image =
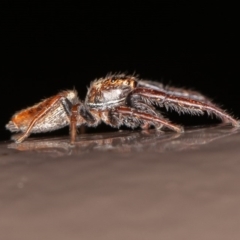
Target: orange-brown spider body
pixel 115 100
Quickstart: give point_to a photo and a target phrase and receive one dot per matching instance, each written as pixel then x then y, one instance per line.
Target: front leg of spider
pixel 133 118
pixel 135 102
pixel 182 104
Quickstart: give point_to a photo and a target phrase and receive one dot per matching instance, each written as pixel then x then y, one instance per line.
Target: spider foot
pixel 174 127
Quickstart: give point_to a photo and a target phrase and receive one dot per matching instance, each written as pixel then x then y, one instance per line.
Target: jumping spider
pixel 115 100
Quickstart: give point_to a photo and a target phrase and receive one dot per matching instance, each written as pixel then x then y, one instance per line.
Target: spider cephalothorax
pixel 105 93
pixel 115 100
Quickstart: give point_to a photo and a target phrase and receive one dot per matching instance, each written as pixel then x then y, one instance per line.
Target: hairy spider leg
pixel 127 111
pixel 150 110
pixel 179 92
pixel 182 105
pixel 136 102
pixel 174 91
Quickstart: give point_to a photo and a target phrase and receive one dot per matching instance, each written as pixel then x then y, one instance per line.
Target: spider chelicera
pixel 115 100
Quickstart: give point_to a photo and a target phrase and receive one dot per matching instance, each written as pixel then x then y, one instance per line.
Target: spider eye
pixel 113 80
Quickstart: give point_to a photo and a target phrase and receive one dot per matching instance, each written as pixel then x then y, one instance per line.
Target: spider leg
pixel 194 95
pixel 78 114
pixel 182 104
pixel 137 103
pixel 124 114
pixel 178 92
pixel 150 110
pixel 73 122
pixel 72 111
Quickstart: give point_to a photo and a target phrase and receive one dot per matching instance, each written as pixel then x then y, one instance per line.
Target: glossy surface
pixel 122 185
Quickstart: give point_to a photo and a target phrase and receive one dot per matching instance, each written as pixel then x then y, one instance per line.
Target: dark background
pixel 52 47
